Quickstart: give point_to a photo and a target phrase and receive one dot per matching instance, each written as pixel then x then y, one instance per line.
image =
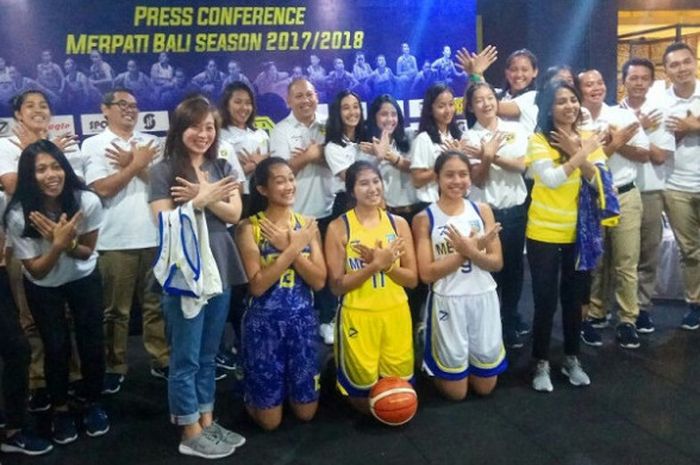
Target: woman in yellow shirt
pixel 558 155
pixel 371 260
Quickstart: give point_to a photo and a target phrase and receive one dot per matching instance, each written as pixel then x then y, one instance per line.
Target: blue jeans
pixel 193 344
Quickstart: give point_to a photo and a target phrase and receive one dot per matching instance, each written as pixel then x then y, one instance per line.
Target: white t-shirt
pixel 67 268
pixel 651 177
pixel 685 169
pixel 246 139
pixel 423 155
pixel 398 187
pixel 9 157
pixel 128 221
pixel 340 158
pixel 623 170
pixel 314 195
pixel 503 188
pixel 528 110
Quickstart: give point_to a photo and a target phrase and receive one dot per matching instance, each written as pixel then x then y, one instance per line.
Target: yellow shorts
pixel 371 344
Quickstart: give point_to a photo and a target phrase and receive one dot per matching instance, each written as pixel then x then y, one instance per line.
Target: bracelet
pixel 73 245
pixel 390 269
pixel 475 78
pixel 398 159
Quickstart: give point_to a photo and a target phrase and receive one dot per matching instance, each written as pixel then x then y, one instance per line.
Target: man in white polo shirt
pixel 621 253
pixel 299 139
pixel 682 194
pixel 118 172
pixel 637 77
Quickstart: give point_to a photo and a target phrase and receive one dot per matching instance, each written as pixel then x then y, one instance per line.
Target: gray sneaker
pixel 207 446
pixel 541 381
pixel 229 437
pixel 572 369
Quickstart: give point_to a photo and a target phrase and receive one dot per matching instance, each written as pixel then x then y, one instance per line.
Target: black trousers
pixel 15 353
pixel 554 278
pixel 510 278
pixel 48 307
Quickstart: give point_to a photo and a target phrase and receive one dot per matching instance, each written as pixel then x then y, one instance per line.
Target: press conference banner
pixel 74 51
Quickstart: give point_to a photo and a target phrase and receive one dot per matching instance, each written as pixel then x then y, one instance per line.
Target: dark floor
pixel 643 407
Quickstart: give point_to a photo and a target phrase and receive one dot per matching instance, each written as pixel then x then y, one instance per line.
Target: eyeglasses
pixel 124 105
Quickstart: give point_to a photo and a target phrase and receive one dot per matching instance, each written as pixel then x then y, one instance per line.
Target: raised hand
pixel 492 145
pixel 278 237
pixel 477 63
pixel 210 192
pixel 367 147
pixel 143 155
pixel 466 246
pixel 118 157
pixel 42 224
pixel 66 142
pixel 300 238
pixel 452 145
pixel 569 143
pixel 491 233
pixel 683 125
pixel 185 191
pixel 66 230
pixel 649 120
pixel 620 137
pixel 24 136
pixel 381 146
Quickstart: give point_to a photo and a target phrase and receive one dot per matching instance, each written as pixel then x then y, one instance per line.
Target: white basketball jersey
pixel 469 279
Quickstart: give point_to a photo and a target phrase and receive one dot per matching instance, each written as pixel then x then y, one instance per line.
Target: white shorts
pixel 463 337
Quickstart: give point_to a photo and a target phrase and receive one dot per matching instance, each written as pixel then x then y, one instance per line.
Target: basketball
pixel 393 401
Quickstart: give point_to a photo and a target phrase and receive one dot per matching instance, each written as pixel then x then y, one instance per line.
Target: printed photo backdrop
pixel 75 50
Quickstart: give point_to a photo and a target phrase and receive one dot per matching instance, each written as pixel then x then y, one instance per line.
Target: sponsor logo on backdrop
pixel 152 121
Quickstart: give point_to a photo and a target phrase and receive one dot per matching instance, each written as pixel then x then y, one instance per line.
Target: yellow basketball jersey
pixel 380 291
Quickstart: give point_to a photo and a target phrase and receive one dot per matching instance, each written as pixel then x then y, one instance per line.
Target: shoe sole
pixel 565 372
pixel 94 434
pixel 186 450
pixel 220 378
pixel 155 374
pixel 65 441
pixel 515 346
pixel 629 346
pixel 107 391
pixel 226 367
pixel 545 390
pixel 690 328
pixel 645 330
pixel 40 409
pixel 592 344
pixel 10 449
pixel 600 325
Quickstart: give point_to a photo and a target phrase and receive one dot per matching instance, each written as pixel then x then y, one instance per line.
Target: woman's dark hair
pixel 17 101
pixel 28 194
pixel 427 123
pixel 261 176
pixel 523 52
pixel 552 72
pixel 545 101
pixel 469 97
pixel 351 178
pixel 191 111
pixel 226 118
pixel 444 157
pixel 334 125
pixel 373 130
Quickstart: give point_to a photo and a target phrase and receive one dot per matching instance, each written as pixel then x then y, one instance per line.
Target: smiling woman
pixel 53 221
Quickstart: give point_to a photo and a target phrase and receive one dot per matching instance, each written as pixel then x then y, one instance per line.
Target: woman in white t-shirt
pixel 391 147
pixel 238 111
pixel 518 94
pixel 53 222
pixel 32 114
pixel 344 133
pixel 498 149
pixel 436 130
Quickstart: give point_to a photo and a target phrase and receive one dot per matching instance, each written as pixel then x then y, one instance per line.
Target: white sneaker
pixel 573 370
pixel 541 381
pixel 327 332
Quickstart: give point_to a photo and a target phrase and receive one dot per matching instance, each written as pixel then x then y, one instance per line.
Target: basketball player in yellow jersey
pixel 370 260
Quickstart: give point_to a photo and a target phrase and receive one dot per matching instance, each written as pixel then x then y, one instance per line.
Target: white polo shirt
pixel 67 268
pixel 624 170
pixel 340 158
pixel 685 169
pixel 528 110
pixel 651 177
pixel 423 155
pixel 314 195
pixel 250 140
pixel 128 221
pixel 9 157
pixel 398 187
pixel 503 188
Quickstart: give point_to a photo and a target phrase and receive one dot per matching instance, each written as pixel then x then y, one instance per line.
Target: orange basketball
pixel 393 401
